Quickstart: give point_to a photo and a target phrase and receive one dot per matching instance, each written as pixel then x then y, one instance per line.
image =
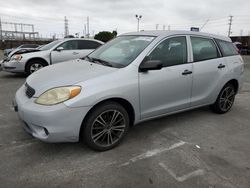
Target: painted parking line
pixel 195 173
pixel 152 153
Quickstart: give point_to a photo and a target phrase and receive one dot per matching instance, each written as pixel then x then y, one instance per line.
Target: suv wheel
pixel 34 66
pixel 225 99
pixel 105 126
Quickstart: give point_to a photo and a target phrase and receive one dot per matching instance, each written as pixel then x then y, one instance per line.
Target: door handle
pixel 221 66
pixel 75 53
pixel 186 72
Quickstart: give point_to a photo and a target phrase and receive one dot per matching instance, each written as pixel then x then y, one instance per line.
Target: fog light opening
pixel 46 131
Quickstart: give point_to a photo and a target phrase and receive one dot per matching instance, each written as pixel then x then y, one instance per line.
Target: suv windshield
pixel 50 45
pixel 121 51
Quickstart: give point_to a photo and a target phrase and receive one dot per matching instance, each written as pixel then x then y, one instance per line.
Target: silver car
pixel 52 53
pixel 133 78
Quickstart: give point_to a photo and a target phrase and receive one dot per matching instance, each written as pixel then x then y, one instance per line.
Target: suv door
pixel 209 70
pixel 70 51
pixel 169 89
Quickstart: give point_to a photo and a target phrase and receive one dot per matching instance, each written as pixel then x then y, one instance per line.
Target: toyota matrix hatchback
pixel 133 78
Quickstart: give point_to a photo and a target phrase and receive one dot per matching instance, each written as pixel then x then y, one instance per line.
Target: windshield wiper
pixel 88 58
pixel 103 62
pixel 97 60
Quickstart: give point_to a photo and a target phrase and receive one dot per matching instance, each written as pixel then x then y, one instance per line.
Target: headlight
pixel 58 95
pixel 16 57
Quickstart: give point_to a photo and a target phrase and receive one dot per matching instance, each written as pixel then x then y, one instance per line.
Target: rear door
pixel 209 69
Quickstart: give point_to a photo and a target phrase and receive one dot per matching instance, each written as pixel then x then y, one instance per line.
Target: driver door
pixel 168 89
pixel 69 51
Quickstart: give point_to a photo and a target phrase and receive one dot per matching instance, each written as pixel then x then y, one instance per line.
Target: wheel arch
pixel 125 103
pixel 35 58
pixel 235 83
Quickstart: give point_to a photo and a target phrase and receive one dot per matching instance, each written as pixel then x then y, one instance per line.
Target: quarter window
pixel 203 49
pixel 227 48
pixel 172 51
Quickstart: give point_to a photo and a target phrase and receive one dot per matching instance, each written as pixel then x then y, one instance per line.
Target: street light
pixel 138 17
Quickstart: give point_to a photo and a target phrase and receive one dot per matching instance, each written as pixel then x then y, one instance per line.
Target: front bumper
pixel 56 123
pixel 1 64
pixel 13 66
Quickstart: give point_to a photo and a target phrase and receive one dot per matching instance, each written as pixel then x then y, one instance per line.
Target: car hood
pixel 39 53
pixel 64 74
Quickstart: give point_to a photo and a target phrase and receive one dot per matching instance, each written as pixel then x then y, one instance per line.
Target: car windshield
pixel 50 45
pixel 121 51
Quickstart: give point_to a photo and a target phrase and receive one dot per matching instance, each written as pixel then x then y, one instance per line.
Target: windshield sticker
pixel 144 38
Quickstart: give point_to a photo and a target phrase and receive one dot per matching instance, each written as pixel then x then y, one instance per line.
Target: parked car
pixel 238 46
pixel 52 53
pixel 133 78
pixel 245 50
pixel 15 52
pixel 6 52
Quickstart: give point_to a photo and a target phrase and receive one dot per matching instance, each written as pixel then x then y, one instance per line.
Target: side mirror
pixel 147 65
pixel 59 49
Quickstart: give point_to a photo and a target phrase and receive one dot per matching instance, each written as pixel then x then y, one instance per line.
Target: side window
pixel 203 49
pixel 227 48
pixel 172 51
pixel 85 44
pixel 69 45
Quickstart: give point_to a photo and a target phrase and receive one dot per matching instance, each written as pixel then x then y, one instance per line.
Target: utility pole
pixel 66 26
pixel 163 27
pixel 87 27
pixel 241 32
pixel 138 17
pixel 156 26
pixel 85 32
pixel 1 30
pixel 230 25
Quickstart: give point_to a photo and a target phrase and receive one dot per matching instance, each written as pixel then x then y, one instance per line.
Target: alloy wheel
pixel 35 67
pixel 108 128
pixel 227 98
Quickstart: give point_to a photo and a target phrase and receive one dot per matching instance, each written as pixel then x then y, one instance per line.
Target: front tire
pixel 105 126
pixel 225 99
pixel 34 66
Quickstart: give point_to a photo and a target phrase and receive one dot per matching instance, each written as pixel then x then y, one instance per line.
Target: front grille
pixel 29 91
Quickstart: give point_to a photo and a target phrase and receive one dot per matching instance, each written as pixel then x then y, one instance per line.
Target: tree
pixel 105 36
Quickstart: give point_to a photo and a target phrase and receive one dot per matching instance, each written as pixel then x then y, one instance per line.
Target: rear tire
pixel 105 126
pixel 34 66
pixel 225 99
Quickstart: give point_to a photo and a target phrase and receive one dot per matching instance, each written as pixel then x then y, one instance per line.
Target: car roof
pixel 177 32
pixel 67 39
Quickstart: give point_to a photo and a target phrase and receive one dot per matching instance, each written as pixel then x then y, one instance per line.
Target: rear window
pixel 227 48
pixel 203 49
pixel 86 44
